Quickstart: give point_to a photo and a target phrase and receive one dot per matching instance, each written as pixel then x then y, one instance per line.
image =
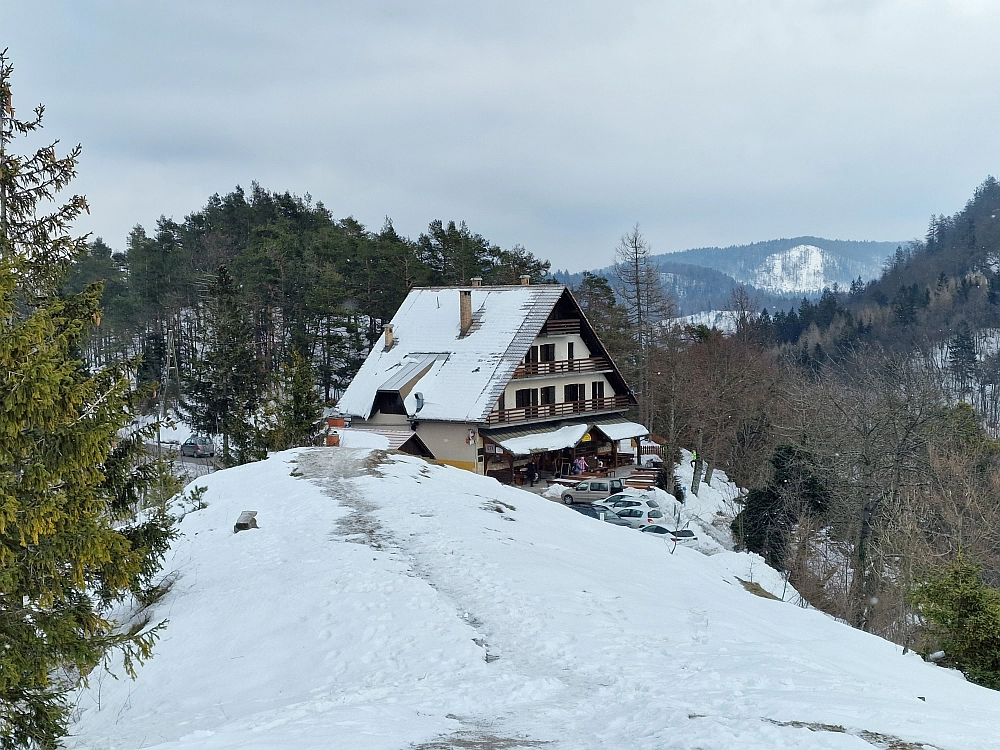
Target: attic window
pixel 389 402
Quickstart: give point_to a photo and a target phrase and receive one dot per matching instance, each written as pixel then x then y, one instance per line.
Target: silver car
pixel 198 446
pixel 591 490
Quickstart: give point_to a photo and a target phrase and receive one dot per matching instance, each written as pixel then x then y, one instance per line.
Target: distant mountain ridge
pixel 778 273
pixel 795 265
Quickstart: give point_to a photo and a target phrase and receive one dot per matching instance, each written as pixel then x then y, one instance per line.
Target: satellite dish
pixel 419 397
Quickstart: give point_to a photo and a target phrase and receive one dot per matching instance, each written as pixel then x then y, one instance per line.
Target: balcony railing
pixel 560 366
pixel 566 408
pixel 562 327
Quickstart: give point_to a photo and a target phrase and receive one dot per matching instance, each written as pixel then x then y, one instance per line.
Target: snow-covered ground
pixel 385 602
pixel 721 319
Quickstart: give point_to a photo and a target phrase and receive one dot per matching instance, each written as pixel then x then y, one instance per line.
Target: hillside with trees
pixel 257 289
pixel 864 426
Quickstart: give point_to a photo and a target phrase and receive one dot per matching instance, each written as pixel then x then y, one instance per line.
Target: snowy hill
pixel 777 273
pixel 388 603
pixel 803 268
pixel 796 266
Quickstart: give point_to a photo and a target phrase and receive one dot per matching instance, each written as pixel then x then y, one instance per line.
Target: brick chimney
pixel 465 310
pixel 390 338
pixel 525 279
pixel 476 280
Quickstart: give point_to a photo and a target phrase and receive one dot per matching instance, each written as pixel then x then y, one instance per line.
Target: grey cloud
pixel 554 125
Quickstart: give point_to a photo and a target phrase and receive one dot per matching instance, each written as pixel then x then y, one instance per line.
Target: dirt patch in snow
pixel 477 741
pixel 876 739
pixel 331 469
pixel 757 590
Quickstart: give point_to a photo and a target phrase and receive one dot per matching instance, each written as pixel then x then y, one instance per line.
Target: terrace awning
pixel 543 441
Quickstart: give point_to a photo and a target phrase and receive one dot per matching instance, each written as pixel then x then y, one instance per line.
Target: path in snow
pixel 390 604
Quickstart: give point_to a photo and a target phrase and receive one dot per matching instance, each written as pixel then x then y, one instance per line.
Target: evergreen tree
pixel 73 539
pixel 454 252
pixel 963 618
pixel 224 388
pixel 609 319
pixel 962 361
pixel 298 404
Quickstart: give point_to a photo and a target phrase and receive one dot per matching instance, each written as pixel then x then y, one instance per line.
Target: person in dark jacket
pixel 532 473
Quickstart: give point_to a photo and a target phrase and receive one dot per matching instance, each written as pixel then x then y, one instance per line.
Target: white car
pixel 630 500
pixel 679 536
pixel 639 516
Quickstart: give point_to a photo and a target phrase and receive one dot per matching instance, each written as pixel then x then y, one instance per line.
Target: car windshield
pixel 684 532
pixel 652 504
pixel 656 530
pixel 655 514
pixel 619 496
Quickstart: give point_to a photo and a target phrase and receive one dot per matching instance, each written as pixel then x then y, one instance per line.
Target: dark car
pixel 593 511
pixel 198 446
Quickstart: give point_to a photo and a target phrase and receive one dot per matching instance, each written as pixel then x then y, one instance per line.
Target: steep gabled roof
pixel 465 375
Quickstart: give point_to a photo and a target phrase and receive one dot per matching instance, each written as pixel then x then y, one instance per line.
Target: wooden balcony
pixel 561 367
pixel 563 327
pixel 565 409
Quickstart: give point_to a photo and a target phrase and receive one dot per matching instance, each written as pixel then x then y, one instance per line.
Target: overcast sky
pixel 555 125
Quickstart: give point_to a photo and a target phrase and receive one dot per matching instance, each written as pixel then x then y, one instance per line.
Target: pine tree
pixel 73 537
pixel 299 407
pixel 224 388
pixel 963 618
pixel 962 361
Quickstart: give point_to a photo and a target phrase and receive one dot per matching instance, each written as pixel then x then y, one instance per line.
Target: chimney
pixel 465 310
pixel 390 338
pixel 525 279
pixel 476 280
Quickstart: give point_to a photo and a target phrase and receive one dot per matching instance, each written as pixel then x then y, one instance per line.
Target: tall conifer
pixel 71 538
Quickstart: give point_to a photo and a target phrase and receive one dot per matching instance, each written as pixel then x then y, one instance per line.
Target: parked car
pixel 639 517
pixel 198 446
pixel 681 536
pixel 629 500
pixel 590 490
pixel 594 511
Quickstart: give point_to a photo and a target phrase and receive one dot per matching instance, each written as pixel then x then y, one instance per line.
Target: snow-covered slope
pixel 388 603
pixel 800 269
pixel 721 319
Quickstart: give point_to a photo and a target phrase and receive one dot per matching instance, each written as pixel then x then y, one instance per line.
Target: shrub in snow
pixel 963 620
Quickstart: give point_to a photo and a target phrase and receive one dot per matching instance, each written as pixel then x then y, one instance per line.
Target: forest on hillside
pixel 257 290
pixel 864 427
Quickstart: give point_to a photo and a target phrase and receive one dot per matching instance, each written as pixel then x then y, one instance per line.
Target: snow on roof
pixel 540 442
pixel 467 373
pixel 377 437
pixel 622 430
